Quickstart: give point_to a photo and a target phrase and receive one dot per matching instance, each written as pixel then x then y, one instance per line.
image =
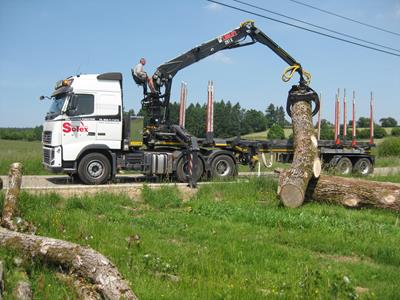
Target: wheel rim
pixel 344 167
pixel 222 168
pixel 363 167
pixel 95 169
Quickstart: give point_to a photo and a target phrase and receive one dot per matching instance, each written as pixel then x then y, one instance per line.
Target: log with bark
pixel 293 182
pixel 10 207
pixel 353 192
pixel 303 177
pixel 85 262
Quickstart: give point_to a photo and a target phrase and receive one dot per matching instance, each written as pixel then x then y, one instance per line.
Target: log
pixel 1 279
pixel 84 291
pixel 23 289
pixel 10 207
pixel 356 193
pixel 83 261
pixel 293 182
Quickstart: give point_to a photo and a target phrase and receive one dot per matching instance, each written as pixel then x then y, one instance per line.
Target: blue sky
pixel 44 41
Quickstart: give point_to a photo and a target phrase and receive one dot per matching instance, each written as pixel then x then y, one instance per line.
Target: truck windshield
pixel 56 106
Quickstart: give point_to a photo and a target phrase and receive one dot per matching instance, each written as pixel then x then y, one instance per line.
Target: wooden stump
pixel 306 163
pixel 10 208
pixel 352 192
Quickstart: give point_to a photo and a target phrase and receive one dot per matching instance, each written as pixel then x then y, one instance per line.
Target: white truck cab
pixel 86 114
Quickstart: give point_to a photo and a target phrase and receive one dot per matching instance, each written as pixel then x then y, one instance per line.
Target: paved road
pixel 130 184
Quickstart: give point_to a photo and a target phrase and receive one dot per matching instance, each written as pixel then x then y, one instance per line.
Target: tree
pixel 270 115
pixel 396 131
pixel 388 122
pixel 276 132
pixel 253 121
pixel 363 122
pixel 326 130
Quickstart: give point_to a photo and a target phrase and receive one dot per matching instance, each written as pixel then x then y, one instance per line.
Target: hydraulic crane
pixel 157 104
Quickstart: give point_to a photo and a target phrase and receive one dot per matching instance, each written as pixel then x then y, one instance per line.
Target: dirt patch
pixel 347 259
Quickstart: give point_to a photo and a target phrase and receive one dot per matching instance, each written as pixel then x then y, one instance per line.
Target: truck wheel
pixel 94 168
pixel 344 166
pixel 223 166
pixel 363 167
pixel 182 170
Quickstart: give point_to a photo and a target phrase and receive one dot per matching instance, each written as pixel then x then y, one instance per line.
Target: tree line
pixel 27 134
pixel 229 119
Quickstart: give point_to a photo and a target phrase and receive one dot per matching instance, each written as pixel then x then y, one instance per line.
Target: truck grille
pixel 46 137
pixel 47 155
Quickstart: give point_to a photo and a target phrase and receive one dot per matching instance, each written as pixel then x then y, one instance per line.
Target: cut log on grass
pixel 306 163
pixel 353 192
pixel 83 261
pixel 10 208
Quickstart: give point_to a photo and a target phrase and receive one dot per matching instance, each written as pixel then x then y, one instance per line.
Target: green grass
pixel 229 241
pixel 28 153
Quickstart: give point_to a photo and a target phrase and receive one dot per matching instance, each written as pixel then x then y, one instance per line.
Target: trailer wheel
pixel 222 166
pixel 363 167
pixel 94 168
pixel 344 166
pixel 182 170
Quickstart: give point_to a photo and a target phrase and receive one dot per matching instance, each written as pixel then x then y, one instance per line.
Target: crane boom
pixel 238 37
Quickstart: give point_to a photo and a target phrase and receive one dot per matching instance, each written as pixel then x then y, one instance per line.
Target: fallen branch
pixel 85 262
pixel 84 291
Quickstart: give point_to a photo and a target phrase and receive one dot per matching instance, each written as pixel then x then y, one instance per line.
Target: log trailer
pixel 87 135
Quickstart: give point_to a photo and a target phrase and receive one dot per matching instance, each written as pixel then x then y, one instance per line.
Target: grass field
pixel 29 153
pixel 230 241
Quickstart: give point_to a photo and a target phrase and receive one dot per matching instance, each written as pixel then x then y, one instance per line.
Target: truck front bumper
pixel 52 158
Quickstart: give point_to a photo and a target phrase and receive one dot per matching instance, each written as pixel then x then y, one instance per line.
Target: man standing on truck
pixel 142 75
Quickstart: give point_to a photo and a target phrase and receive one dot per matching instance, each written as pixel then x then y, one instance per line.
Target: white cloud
pixel 222 58
pixel 213 7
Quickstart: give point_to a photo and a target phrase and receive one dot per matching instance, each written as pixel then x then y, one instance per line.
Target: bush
pixel 276 132
pixel 396 131
pixel 379 132
pixel 389 147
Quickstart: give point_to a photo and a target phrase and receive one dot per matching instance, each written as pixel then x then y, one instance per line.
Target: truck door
pixel 109 125
pixel 79 127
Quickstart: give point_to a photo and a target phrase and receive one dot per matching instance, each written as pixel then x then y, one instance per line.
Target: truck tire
pixel 344 166
pixel 363 167
pixel 94 168
pixel 182 171
pixel 223 166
